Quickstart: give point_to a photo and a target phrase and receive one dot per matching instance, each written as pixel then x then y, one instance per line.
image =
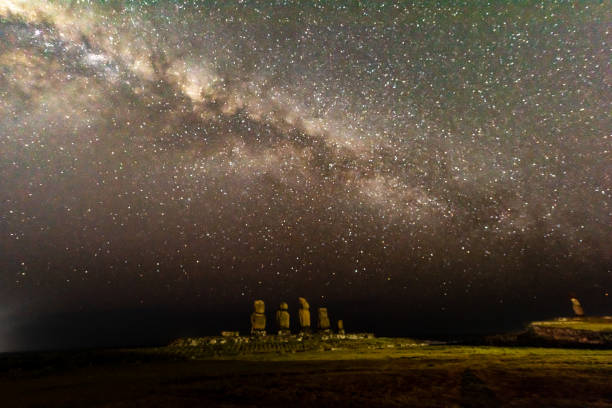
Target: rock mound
pixel 562 332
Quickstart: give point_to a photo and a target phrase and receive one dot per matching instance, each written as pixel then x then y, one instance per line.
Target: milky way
pixel 431 157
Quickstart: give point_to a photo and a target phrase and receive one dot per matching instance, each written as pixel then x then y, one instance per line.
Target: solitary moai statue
pixel 283 320
pixel 341 327
pixel 304 314
pixel 324 325
pixel 578 311
pixel 258 319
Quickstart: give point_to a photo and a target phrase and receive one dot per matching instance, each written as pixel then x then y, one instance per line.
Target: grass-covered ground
pixel 597 324
pixel 378 376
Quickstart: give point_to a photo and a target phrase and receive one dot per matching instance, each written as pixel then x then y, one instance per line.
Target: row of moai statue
pixel 283 319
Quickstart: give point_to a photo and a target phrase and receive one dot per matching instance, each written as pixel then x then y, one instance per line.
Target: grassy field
pixel 419 376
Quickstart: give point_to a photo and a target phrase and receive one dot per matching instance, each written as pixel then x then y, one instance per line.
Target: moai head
pixel 323 319
pixel 304 303
pixel 284 306
pixel 260 306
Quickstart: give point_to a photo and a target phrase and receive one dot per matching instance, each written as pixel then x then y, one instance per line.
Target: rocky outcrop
pixel 569 336
pixel 591 332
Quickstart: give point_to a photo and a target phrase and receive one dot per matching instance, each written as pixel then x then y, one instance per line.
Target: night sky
pixel 420 168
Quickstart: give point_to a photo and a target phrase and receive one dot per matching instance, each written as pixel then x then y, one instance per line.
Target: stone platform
pixel 220 346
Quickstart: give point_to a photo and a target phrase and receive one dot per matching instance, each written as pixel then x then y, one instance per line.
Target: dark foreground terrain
pixel 382 373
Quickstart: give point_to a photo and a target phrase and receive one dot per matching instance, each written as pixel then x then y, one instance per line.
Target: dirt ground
pixel 430 376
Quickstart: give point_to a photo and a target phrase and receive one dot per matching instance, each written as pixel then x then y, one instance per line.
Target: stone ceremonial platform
pixel 228 346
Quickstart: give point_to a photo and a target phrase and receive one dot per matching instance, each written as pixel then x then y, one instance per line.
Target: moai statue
pixel 258 319
pixel 341 327
pixel 282 320
pixel 578 311
pixel 304 314
pixel 324 325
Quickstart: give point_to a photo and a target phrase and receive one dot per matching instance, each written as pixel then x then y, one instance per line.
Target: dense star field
pixel 404 162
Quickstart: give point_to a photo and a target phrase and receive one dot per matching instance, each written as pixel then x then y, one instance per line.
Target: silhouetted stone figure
pixel 341 327
pixel 283 320
pixel 578 311
pixel 304 315
pixel 324 325
pixel 258 319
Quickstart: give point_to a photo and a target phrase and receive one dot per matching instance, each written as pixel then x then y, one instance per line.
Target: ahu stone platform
pixel 220 346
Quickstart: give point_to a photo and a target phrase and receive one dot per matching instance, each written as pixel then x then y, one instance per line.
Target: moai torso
pixel 304 314
pixel 258 318
pixel 578 311
pixel 340 327
pixel 283 319
pixel 323 319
